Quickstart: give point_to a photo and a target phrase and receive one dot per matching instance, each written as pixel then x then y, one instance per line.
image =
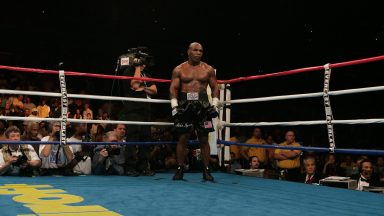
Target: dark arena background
pixel 240 39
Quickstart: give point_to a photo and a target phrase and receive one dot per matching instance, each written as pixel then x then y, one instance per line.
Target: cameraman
pixel 108 159
pixel 17 160
pixel 81 163
pixel 55 157
pixel 138 157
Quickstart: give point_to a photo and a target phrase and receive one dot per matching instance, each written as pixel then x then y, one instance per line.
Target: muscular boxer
pixel 191 109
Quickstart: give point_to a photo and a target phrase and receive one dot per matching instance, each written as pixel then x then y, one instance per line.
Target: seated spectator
pixel 108 159
pixel 349 166
pixel 34 113
pixel 99 134
pixel 310 175
pixel 234 164
pixel 77 115
pixel 18 160
pixel 238 137
pixel 331 167
pixel 87 113
pixel 32 134
pixel 28 104
pixel 271 152
pixel 366 176
pixel 254 162
pixel 2 130
pixel 162 156
pixel 27 112
pixel 55 157
pixel 43 109
pixel 81 164
pixel 379 167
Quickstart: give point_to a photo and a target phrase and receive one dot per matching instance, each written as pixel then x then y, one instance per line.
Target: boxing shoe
pixel 207 175
pixel 179 173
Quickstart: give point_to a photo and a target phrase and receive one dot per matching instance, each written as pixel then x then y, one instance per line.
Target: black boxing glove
pixel 213 111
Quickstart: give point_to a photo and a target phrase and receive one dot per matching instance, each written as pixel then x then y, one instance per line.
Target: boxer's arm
pixel 174 87
pixel 214 87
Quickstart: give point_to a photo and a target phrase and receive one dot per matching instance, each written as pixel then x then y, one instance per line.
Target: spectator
pixel 32 134
pixel 34 113
pixel 28 103
pixel 77 114
pixel 18 160
pixel 349 166
pixel 254 162
pixel 271 152
pixel 87 113
pixel 55 157
pixel 331 167
pixel 234 164
pixel 108 159
pixel 366 176
pixel 81 164
pixel 261 153
pixel 43 109
pixel 288 161
pixel 379 167
pixel 238 137
pixel 310 175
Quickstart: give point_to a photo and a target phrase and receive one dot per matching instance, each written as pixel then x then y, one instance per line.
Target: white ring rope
pixel 314 122
pixel 17 118
pixel 309 95
pixel 82 96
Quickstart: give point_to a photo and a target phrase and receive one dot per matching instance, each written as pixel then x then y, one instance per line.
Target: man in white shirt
pixel 55 157
pixel 82 162
pixel 366 176
pixel 17 160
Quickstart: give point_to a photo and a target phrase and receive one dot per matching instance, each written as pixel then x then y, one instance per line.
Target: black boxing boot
pixel 207 174
pixel 179 173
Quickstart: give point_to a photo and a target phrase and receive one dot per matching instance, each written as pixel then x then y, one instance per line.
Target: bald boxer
pixel 191 109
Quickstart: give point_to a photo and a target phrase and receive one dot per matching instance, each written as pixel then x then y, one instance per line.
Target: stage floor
pixel 160 195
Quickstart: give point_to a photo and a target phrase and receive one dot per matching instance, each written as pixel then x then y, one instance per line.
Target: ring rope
pixel 247 100
pixel 307 95
pixel 72 73
pixel 226 143
pixel 18 118
pixel 97 143
pixel 239 79
pixel 307 69
pixel 305 148
pixel 314 122
pixel 82 96
pixel 328 108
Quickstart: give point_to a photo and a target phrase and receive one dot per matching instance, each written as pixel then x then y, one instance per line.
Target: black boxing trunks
pixel 193 113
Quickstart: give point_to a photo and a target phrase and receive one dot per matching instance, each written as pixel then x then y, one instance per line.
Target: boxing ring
pixel 159 195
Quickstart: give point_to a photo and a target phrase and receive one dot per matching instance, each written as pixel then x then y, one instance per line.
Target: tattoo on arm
pixel 175 84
